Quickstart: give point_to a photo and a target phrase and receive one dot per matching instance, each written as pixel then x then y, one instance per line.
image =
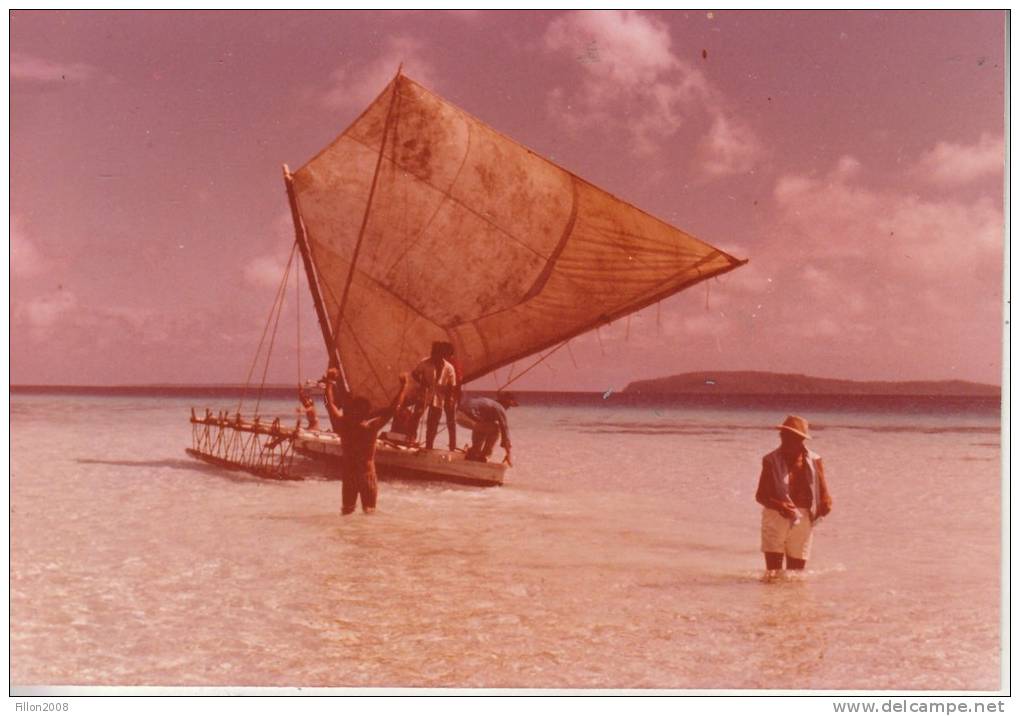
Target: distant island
pixel 706 383
pixel 763 383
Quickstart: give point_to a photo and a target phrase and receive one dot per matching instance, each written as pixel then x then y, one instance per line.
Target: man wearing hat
pixel 487 420
pixel 794 496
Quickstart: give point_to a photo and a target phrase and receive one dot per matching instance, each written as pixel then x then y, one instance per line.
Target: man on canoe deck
pixel 435 380
pixel 487 420
pixel 358 430
pixel 455 394
pixel 793 494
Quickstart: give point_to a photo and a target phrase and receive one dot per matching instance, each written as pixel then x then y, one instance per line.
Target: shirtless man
pixel 308 409
pixel 358 430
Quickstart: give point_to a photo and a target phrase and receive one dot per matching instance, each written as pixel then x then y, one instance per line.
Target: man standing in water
pixel 793 494
pixel 358 430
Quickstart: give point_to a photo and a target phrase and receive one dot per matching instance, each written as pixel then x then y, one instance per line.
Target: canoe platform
pixel 400 462
pixel 268 450
pixel 265 449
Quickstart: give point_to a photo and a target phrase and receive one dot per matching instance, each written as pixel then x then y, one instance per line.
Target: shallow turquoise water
pixel 623 552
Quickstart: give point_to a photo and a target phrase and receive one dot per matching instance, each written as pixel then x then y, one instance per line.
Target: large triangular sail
pixel 425 224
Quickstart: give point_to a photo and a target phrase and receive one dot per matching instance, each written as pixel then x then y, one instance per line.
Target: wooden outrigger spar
pixel 266 450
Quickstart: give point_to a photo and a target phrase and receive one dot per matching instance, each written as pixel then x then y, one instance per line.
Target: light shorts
pixel 779 535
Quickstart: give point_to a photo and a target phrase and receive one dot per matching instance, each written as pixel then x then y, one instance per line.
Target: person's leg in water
pixel 369 490
pixel 349 492
pixel 773 561
pixel 794 563
pixel 799 542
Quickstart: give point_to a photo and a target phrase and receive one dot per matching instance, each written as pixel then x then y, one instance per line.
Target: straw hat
pixel 796 425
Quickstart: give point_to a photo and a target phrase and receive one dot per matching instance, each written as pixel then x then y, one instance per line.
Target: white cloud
pixel 632 82
pixel 62 311
pixel 818 279
pixel 847 167
pixel 702 324
pixel 949 165
pixel 896 233
pixel 848 278
pixel 92 328
pixel 265 271
pixel 619 45
pixel 29 68
pixel 42 314
pixel 355 89
pixel 730 147
pixel 26 260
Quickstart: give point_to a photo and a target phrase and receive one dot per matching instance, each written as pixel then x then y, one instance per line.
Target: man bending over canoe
pixel 487 420
pixel 358 430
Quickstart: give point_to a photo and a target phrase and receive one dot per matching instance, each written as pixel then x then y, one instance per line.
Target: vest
pixel 780 474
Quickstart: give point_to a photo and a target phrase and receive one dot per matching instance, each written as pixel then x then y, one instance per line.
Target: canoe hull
pixel 407 463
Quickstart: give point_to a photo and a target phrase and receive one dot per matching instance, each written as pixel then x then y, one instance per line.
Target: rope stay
pixel 541 359
pixel 276 325
pixel 297 317
pixel 265 449
pixel 277 301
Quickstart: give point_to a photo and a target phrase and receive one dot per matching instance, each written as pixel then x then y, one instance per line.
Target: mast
pixel 313 279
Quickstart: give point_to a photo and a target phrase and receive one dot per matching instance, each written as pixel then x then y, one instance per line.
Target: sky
pixel 854 157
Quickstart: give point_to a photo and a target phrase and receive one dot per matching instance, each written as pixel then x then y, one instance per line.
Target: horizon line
pixel 252 386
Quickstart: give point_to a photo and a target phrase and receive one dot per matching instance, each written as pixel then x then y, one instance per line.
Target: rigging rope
pixel 276 324
pixel 297 313
pixel 572 359
pixel 515 378
pixel 277 299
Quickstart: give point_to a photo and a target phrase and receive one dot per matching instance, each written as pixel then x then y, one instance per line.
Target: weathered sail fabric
pixel 466 236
